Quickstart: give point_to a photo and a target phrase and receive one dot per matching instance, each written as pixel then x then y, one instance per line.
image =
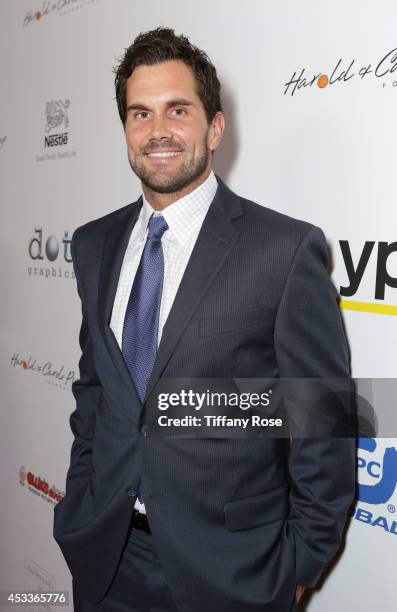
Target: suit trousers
pixel 139 584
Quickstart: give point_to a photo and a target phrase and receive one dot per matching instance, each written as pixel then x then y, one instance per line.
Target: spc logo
pixel 56 115
pixel 384 475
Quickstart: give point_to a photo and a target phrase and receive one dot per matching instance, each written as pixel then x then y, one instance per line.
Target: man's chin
pixel 161 187
pixel 165 184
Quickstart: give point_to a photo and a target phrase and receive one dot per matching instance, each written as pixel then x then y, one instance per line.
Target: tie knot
pixel 157 227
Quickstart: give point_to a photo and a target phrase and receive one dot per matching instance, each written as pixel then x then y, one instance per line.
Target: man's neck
pixel 160 201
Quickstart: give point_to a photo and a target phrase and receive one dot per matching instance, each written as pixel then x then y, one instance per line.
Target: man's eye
pixel 178 111
pixel 142 114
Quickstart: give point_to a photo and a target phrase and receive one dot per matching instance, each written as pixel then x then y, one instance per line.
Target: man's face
pixel 168 137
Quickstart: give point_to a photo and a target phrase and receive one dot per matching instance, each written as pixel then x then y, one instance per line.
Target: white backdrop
pixel 323 154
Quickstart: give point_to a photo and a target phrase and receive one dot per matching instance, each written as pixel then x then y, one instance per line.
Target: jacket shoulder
pixel 273 219
pixel 260 220
pixel 265 224
pixel 96 229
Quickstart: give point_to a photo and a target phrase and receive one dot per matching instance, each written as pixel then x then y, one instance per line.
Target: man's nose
pixel 160 128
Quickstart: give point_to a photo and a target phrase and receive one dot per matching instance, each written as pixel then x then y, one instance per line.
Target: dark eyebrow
pixel 180 102
pixel 170 103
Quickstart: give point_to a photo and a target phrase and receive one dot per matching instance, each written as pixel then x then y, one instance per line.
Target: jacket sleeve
pixel 310 343
pixel 86 391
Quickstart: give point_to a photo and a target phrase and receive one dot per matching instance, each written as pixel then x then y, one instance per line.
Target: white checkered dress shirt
pixel 184 219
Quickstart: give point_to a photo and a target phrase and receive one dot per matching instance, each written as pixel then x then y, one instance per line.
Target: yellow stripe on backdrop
pixel 385 309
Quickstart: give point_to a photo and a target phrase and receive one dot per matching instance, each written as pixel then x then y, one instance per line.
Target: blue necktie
pixel 140 330
pixel 141 322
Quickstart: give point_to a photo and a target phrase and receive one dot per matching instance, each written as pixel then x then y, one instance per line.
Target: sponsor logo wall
pixel 310 115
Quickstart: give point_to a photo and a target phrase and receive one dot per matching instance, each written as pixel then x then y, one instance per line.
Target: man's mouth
pixel 164 154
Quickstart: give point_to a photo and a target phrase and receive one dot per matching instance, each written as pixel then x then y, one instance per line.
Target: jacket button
pixel 131 492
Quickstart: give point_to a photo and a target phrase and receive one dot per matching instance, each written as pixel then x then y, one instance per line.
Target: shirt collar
pixel 186 214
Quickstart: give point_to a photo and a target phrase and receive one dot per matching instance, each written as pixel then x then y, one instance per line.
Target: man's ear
pixel 216 130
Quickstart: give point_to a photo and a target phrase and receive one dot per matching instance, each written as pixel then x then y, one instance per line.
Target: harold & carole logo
pixel 53 7
pixel 60 377
pixel 381 69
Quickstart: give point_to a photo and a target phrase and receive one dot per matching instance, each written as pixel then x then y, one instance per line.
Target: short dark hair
pixel 162 45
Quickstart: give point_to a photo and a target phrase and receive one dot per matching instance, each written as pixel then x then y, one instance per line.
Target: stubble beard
pixel 190 170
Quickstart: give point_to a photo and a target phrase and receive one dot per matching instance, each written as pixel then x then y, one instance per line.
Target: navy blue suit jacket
pixel 233 528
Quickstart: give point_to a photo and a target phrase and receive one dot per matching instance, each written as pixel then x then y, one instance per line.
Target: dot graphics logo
pixel 47 249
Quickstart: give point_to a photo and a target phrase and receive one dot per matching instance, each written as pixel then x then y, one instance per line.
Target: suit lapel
pixel 115 245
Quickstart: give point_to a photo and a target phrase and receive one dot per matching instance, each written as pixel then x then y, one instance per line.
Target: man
pixel 194 281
